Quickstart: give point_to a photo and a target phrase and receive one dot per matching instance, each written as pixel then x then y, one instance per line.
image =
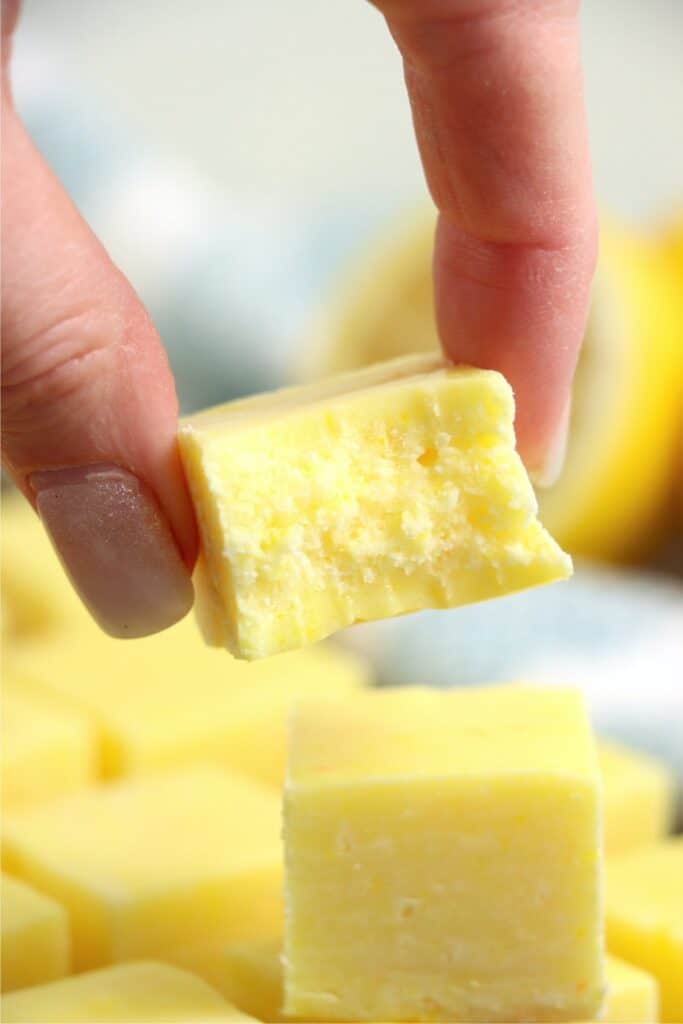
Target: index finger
pixel 496 93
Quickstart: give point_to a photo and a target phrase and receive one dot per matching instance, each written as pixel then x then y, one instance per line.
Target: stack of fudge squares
pixel 187 837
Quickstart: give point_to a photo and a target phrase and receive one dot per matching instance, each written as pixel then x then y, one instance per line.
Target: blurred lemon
pixel 672 252
pixel 384 306
pixel 610 499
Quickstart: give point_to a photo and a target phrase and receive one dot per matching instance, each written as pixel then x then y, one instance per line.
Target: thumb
pixel 88 405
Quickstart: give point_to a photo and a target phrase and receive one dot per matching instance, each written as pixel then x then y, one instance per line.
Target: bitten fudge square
pixel 373 494
pixel 453 838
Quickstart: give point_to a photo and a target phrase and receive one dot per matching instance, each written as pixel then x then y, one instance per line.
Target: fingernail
pixel 116 547
pixel 550 469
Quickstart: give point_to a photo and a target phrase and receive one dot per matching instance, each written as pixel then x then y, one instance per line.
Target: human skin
pixel 89 408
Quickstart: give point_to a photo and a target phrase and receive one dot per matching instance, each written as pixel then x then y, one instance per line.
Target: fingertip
pixel 116 546
pixel 520 310
pixel 497 101
pixel 546 469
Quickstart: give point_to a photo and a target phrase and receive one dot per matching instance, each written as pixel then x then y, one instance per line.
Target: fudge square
pixel 632 779
pixel 248 974
pixel 644 916
pixel 47 750
pixel 632 994
pixel 35 936
pixel 132 993
pixel 168 700
pixel 144 865
pixel 372 494
pixel 442 857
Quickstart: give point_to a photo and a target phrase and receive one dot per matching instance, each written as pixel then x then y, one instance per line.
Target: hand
pixel 89 407
pixel 496 93
pixel 88 402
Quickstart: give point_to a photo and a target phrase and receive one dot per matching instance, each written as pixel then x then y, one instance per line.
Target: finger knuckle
pixel 45 370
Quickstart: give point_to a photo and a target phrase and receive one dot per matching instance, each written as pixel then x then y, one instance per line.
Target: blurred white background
pixel 304 99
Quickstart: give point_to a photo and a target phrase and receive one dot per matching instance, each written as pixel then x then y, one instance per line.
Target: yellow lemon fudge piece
pixel 46 750
pixel 248 974
pixel 453 839
pixel 638 797
pixel 35 590
pixel 145 865
pixel 632 994
pixel 34 936
pixel 373 494
pixel 644 915
pixel 169 699
pixel 133 993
